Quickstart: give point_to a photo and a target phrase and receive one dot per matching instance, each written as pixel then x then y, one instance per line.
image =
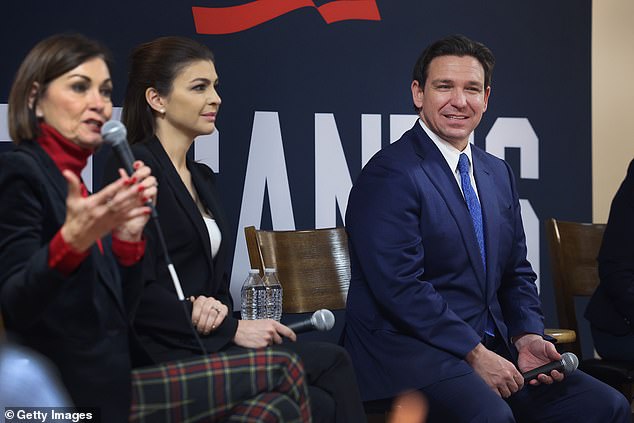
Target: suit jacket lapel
pixel 182 195
pixel 204 188
pixel 436 168
pixel 52 174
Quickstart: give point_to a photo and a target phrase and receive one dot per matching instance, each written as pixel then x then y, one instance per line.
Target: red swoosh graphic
pixel 227 20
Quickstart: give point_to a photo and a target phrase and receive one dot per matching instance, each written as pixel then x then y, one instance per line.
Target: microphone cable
pixel 174 276
pixel 115 134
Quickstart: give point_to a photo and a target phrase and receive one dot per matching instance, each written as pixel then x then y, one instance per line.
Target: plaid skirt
pixel 262 385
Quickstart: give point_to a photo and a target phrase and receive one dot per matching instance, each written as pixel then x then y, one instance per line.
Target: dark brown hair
pixel 155 65
pixel 49 59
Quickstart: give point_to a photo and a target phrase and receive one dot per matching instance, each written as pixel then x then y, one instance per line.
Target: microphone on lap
pixel 566 365
pixel 321 320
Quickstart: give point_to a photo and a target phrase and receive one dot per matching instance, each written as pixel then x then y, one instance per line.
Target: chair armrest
pixel 562 336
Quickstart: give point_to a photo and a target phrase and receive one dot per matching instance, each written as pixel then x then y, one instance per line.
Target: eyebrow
pixel 204 80
pixel 451 81
pixel 79 75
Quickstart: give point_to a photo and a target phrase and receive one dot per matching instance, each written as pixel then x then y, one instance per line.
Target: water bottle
pixel 273 294
pixel 253 297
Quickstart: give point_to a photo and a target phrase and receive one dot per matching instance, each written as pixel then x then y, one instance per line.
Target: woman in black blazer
pixel 70 273
pixel 67 287
pixel 171 99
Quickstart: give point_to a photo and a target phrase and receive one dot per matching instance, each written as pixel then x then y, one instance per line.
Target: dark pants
pixel 332 384
pixel 613 347
pixel 578 398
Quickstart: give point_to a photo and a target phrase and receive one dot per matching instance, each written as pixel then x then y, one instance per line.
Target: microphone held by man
pixel 566 365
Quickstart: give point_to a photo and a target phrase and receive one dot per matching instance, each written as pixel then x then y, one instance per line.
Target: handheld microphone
pixel 566 365
pixel 320 320
pixel 115 134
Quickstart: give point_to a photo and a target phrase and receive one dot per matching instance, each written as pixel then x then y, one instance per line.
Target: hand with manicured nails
pixel 118 207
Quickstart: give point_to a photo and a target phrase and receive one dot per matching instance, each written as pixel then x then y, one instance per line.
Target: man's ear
pixel 417 94
pixel 487 93
pixel 33 96
pixel 155 100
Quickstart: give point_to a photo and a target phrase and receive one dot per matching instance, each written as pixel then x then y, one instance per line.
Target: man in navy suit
pixel 442 298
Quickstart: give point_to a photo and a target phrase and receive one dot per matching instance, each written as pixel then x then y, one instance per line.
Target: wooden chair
pixel 314 269
pixel 574 248
pixel 313 266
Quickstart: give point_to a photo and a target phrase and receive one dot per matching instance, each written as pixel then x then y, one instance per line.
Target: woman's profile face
pixel 193 103
pixel 78 103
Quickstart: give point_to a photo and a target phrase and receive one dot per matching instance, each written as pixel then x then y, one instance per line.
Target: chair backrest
pixel 313 266
pixel 574 248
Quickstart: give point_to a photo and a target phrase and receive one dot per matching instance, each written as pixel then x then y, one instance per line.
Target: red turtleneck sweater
pixel 67 155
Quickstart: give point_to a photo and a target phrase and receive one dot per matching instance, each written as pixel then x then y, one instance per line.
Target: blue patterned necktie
pixel 476 216
pixel 472 203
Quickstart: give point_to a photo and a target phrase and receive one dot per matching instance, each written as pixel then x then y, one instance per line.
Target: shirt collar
pixel 448 151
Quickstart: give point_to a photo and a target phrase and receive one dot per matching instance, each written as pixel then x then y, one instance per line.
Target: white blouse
pixel 215 237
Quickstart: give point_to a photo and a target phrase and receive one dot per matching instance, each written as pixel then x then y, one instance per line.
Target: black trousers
pixel 332 384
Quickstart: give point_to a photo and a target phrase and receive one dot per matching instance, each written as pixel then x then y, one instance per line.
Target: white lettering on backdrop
pixel 266 167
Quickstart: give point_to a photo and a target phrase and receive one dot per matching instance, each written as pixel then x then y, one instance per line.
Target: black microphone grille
pixel 323 319
pixel 569 362
pixel 114 132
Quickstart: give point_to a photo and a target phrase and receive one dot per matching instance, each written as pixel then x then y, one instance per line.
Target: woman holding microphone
pixel 171 99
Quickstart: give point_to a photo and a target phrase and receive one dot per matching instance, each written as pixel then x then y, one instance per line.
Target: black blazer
pixel 162 326
pixel 81 321
pixel 611 308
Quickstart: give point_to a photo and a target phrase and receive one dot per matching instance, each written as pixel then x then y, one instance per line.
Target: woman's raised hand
pixel 118 207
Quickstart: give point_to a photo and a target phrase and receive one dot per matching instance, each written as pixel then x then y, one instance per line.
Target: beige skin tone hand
pixel 534 352
pixel 502 376
pixel 118 208
pixel 499 373
pixel 207 313
pixel 261 333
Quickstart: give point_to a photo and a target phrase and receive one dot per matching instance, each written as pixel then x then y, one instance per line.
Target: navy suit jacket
pixel 419 294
